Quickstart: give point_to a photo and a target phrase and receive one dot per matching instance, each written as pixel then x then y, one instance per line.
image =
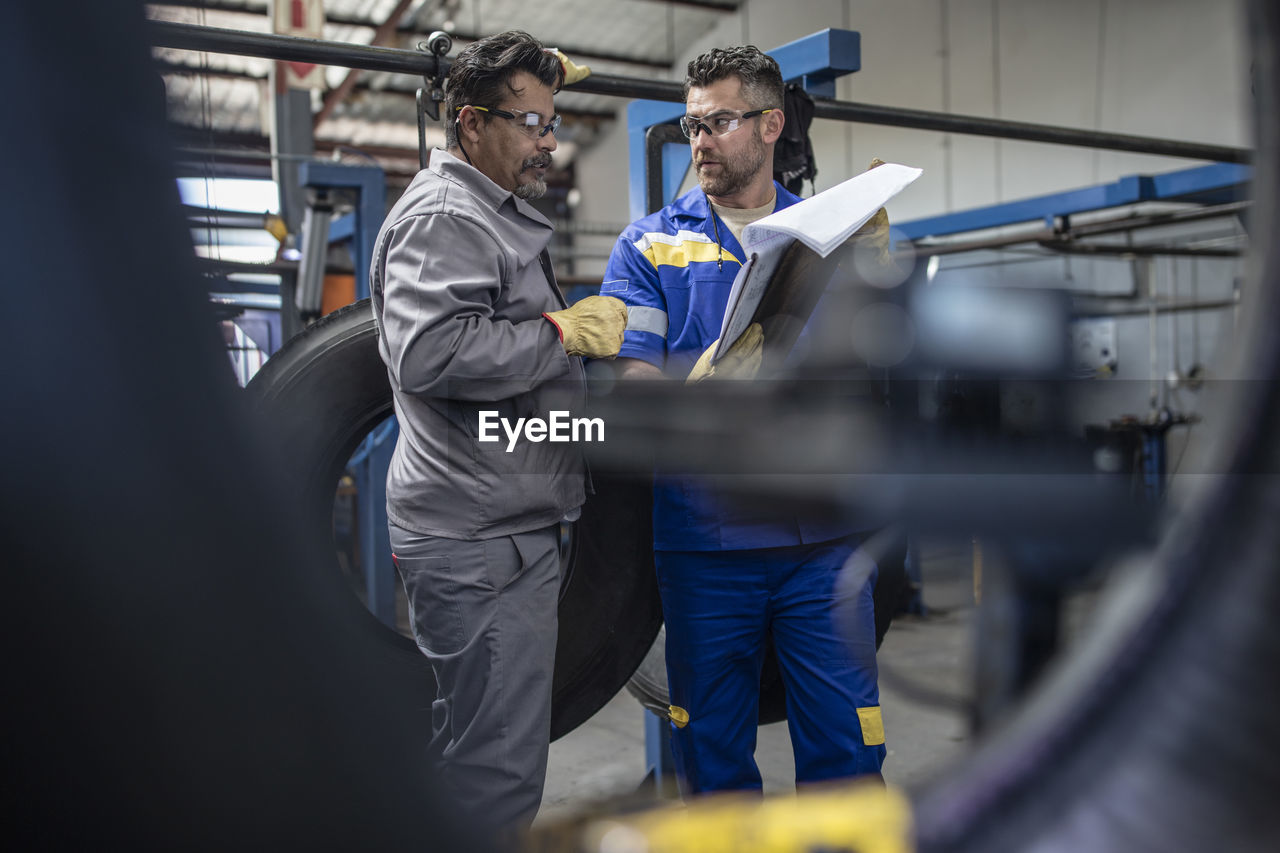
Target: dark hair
pixel 761 78
pixel 482 73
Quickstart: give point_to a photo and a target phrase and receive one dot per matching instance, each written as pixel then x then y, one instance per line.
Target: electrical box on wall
pixel 1093 346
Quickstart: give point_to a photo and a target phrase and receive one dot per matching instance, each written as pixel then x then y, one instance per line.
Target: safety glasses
pixel 531 124
pixel 722 123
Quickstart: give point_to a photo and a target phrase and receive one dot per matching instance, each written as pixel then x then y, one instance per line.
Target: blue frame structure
pixel 368 466
pixel 1213 184
pixel 360 227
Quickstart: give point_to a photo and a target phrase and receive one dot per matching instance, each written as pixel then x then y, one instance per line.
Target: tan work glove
pixel 573 72
pixel 875 231
pixel 742 361
pixel 591 327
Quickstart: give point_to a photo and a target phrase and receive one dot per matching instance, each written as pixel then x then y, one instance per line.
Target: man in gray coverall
pixel 471 322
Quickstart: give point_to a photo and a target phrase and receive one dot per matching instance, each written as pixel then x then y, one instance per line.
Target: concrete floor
pixel 605 757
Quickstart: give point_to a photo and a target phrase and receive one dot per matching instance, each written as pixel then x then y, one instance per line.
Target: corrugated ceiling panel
pixel 381 110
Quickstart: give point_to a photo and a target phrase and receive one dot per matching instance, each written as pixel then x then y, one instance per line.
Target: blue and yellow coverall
pixel 729 576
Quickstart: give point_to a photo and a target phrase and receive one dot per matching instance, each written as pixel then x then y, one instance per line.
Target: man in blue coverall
pixel 731 576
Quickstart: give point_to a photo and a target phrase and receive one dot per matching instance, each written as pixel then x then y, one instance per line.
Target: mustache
pixel 540 161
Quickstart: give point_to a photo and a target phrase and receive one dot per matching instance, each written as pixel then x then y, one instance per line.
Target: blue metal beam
pixel 370 184
pixel 1215 183
pixel 369 466
pixel 817 60
pixel 814 61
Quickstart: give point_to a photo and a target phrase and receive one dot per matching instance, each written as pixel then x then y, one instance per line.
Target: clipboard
pixel 787 265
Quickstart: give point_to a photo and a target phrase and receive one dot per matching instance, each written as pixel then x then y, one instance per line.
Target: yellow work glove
pixel 591 327
pixel 875 234
pixel 875 231
pixel 742 361
pixel 573 72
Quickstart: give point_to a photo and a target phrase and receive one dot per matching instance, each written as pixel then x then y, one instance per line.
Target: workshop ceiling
pixel 219 100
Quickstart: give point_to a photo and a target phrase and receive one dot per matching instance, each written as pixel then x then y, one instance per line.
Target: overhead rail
pixel 400 61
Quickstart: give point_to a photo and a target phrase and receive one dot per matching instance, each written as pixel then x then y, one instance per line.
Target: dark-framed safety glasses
pixel 722 123
pixel 531 124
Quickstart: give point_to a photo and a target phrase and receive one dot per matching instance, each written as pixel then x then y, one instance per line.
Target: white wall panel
pixel 1171 68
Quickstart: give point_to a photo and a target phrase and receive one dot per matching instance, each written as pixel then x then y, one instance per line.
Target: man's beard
pixel 538 187
pixel 737 172
pixel 530 191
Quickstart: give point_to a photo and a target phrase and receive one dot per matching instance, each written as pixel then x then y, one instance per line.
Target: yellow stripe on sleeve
pixel 681 249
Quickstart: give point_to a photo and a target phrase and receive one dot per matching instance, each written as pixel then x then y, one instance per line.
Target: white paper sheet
pixel 822 223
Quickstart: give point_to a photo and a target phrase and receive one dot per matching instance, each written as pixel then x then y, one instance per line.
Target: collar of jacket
pixel 693 205
pixel 482 186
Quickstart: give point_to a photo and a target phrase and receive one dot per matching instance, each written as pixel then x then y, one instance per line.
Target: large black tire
pixel 321 395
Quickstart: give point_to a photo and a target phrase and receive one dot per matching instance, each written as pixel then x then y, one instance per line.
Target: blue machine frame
pixel 368 466
pixel 360 227
pixel 1216 183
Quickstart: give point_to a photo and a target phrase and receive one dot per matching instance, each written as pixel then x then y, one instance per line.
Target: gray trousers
pixel 484 614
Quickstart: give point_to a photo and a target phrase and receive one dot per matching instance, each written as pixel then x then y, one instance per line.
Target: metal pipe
pixel 1156 220
pixel 394 60
pixel 288 48
pixel 1129 309
pixel 1068 247
pixel 1063 241
pixel 1005 129
pixel 201 216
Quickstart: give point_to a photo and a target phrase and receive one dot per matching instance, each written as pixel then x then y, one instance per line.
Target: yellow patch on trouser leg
pixel 872 725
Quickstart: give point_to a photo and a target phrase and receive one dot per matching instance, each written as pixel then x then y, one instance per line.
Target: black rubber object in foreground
pixel 177 676
pixel 321 394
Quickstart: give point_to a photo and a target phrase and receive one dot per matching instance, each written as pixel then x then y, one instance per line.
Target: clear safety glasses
pixel 722 123
pixel 531 124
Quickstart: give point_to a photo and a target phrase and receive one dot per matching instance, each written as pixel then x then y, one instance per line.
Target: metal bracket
pixel 430 97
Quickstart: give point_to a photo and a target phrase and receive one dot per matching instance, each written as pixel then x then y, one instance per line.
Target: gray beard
pixel 529 192
pixel 538 188
pixel 736 174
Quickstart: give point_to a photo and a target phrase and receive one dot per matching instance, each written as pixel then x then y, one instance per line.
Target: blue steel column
pixel 369 465
pixel 1153 462
pixel 815 62
pixel 370 184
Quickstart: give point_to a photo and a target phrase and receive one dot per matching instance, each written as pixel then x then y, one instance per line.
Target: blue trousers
pixel 719 607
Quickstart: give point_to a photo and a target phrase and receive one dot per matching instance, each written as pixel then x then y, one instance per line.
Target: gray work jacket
pixel 458 295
